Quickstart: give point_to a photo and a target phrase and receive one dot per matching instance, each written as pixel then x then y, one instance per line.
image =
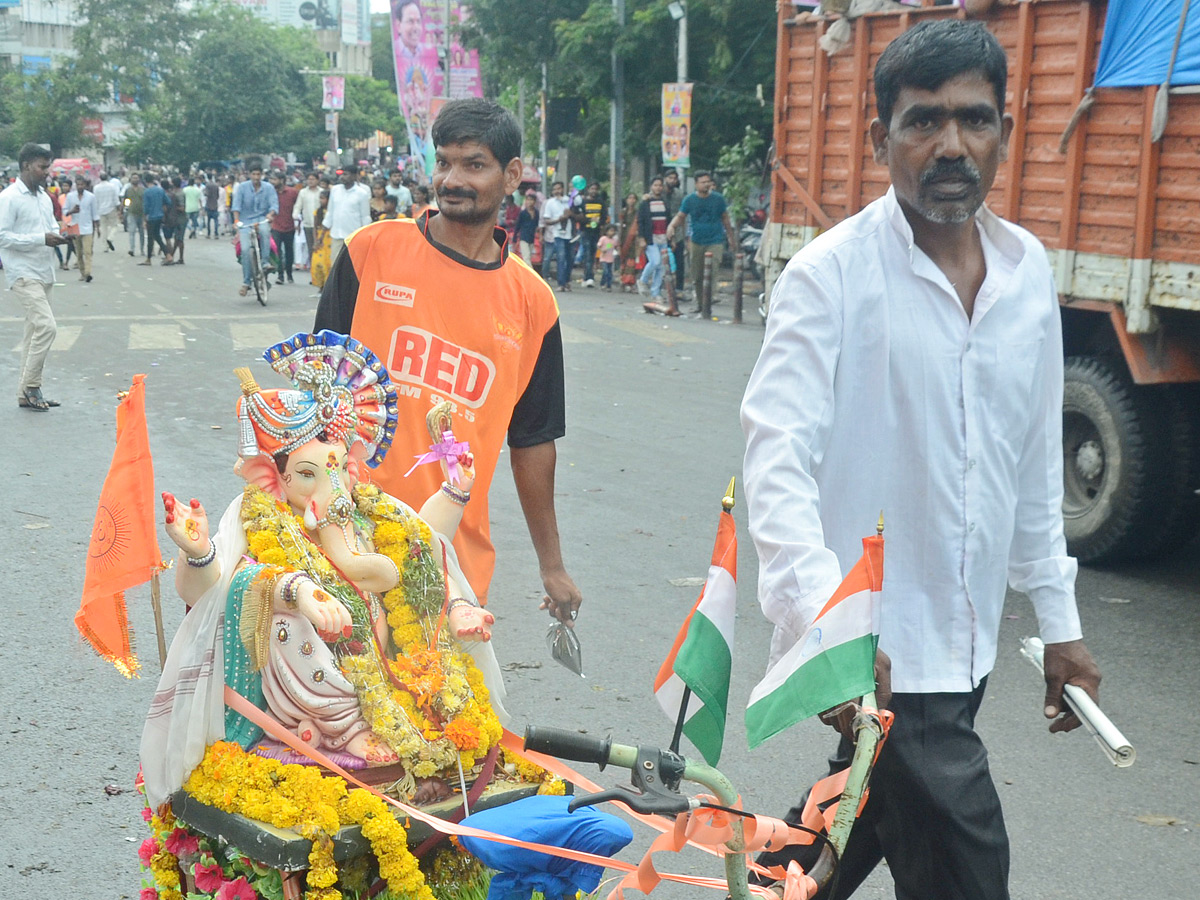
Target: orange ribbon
pixel 705 829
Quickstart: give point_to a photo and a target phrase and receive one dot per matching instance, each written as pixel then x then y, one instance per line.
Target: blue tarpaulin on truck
pixel 1139 36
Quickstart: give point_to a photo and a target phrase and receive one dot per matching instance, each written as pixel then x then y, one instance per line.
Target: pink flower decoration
pixel 208 878
pixel 150 846
pixel 237 890
pixel 147 814
pixel 180 843
pixel 148 894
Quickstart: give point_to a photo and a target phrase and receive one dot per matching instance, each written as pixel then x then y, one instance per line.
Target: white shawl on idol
pixel 187 713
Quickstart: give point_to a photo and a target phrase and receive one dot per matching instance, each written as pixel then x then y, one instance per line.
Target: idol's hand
pixel 187 525
pixel 327 614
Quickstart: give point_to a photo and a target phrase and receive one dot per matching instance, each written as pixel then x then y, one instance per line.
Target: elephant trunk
pixel 369 571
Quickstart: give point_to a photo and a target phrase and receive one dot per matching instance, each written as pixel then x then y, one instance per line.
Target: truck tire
pixel 1114 457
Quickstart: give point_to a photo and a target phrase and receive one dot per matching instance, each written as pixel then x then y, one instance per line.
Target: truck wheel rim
pixel 1084 465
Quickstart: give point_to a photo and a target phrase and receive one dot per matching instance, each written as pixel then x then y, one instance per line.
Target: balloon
pixel 579 182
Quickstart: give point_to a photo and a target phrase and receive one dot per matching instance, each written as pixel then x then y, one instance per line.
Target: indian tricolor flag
pixel 834 660
pixel 697 670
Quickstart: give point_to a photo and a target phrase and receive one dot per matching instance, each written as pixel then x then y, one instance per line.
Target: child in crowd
pixel 606 252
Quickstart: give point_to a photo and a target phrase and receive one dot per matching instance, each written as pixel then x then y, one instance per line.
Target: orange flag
pixel 123 551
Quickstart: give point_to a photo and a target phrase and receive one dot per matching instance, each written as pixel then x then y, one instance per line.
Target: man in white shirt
pixel 306 205
pixel 28 234
pixel 395 188
pixel 108 206
pixel 349 210
pixel 913 362
pixel 556 220
pixel 81 206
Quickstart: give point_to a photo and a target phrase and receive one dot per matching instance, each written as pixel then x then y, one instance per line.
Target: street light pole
pixel 681 64
pixel 616 124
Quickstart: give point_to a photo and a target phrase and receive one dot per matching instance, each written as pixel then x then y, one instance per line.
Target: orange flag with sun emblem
pixel 123 551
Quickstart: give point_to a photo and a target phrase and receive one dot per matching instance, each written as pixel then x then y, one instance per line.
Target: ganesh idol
pixel 331 606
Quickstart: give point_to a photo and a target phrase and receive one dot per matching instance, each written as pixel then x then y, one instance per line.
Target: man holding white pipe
pixel 913 361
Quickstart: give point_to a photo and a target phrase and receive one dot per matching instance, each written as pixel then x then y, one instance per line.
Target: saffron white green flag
pixel 832 662
pixel 702 655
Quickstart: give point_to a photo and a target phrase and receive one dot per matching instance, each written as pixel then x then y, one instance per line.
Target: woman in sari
pixel 320 260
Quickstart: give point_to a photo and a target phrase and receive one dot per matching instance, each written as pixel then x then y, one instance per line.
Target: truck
pixel 1115 202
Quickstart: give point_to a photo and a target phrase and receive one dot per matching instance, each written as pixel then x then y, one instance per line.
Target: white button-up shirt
pixel 86 216
pixel 25 217
pixel 349 210
pixel 874 391
pixel 108 195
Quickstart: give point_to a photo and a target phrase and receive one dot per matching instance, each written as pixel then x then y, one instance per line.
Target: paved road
pixel 653 440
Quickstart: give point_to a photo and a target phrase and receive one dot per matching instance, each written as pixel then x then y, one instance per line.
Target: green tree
pixel 731 52
pixel 135 45
pixel 49 106
pixel 239 90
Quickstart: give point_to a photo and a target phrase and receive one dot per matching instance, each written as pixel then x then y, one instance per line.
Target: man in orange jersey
pixel 456 317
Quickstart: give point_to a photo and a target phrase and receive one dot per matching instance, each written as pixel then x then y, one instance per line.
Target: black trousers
pixel 285 241
pixel 933 811
pixel 153 236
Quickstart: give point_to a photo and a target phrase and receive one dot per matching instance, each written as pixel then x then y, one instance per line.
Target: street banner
pixel 676 125
pixel 418 42
pixel 123 551
pixel 331 122
pixel 696 671
pixel 333 90
pixel 834 660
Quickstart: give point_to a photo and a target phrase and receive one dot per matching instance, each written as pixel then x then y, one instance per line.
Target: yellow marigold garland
pixel 301 798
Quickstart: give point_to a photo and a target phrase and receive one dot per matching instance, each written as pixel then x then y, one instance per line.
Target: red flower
pixel 236 890
pixel 148 894
pixel 180 843
pixel 147 814
pixel 354 647
pixel 208 878
pixel 150 846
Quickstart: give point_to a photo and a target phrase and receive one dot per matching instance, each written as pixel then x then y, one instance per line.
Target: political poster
pixel 676 125
pixel 333 92
pixel 422 56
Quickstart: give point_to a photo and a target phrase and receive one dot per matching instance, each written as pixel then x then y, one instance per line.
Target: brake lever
pixel 654 803
pixel 655 788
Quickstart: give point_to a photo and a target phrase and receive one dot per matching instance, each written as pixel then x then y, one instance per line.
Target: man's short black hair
pixel 656 178
pixel 475 120
pixel 703 174
pixel 31 151
pixel 930 54
pixel 254 164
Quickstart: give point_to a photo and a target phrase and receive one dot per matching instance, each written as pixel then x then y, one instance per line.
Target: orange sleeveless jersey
pixel 448 331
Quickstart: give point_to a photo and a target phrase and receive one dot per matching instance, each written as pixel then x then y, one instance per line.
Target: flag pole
pixel 727 503
pixel 156 602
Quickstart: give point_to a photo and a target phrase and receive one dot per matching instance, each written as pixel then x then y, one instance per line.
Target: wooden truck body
pixel 1119 214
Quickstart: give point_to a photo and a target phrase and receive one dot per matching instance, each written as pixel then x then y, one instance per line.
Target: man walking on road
pixel 349 210
pixel 556 220
pixel 652 230
pixel 81 205
pixel 707 218
pixel 28 234
pixel 154 205
pixel 395 188
pixel 108 206
pixel 307 202
pixel 913 361
pixel 135 220
pixel 283 229
pixel 457 317
pixel 212 208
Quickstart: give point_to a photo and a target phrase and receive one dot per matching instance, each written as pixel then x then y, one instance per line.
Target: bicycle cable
pixel 824 838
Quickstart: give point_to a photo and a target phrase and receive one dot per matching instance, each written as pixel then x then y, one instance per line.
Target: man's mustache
pixel 460 193
pixel 951 170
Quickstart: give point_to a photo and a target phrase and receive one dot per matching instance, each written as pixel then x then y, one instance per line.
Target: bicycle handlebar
pixel 568 744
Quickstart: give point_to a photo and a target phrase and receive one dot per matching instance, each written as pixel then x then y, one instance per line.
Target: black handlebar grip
pixel 567 744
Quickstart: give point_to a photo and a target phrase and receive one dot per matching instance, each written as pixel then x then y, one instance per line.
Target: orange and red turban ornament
pixel 342 391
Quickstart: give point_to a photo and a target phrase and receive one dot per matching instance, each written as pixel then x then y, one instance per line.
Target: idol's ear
pixel 261 471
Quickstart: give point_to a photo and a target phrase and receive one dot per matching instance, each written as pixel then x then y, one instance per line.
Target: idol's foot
pixel 370 748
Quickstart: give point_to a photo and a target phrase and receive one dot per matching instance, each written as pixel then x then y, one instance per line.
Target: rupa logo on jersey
pixel 397 294
pixel 420 358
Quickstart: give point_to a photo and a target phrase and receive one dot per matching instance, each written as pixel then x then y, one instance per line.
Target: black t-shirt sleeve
pixel 335 310
pixel 541 413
